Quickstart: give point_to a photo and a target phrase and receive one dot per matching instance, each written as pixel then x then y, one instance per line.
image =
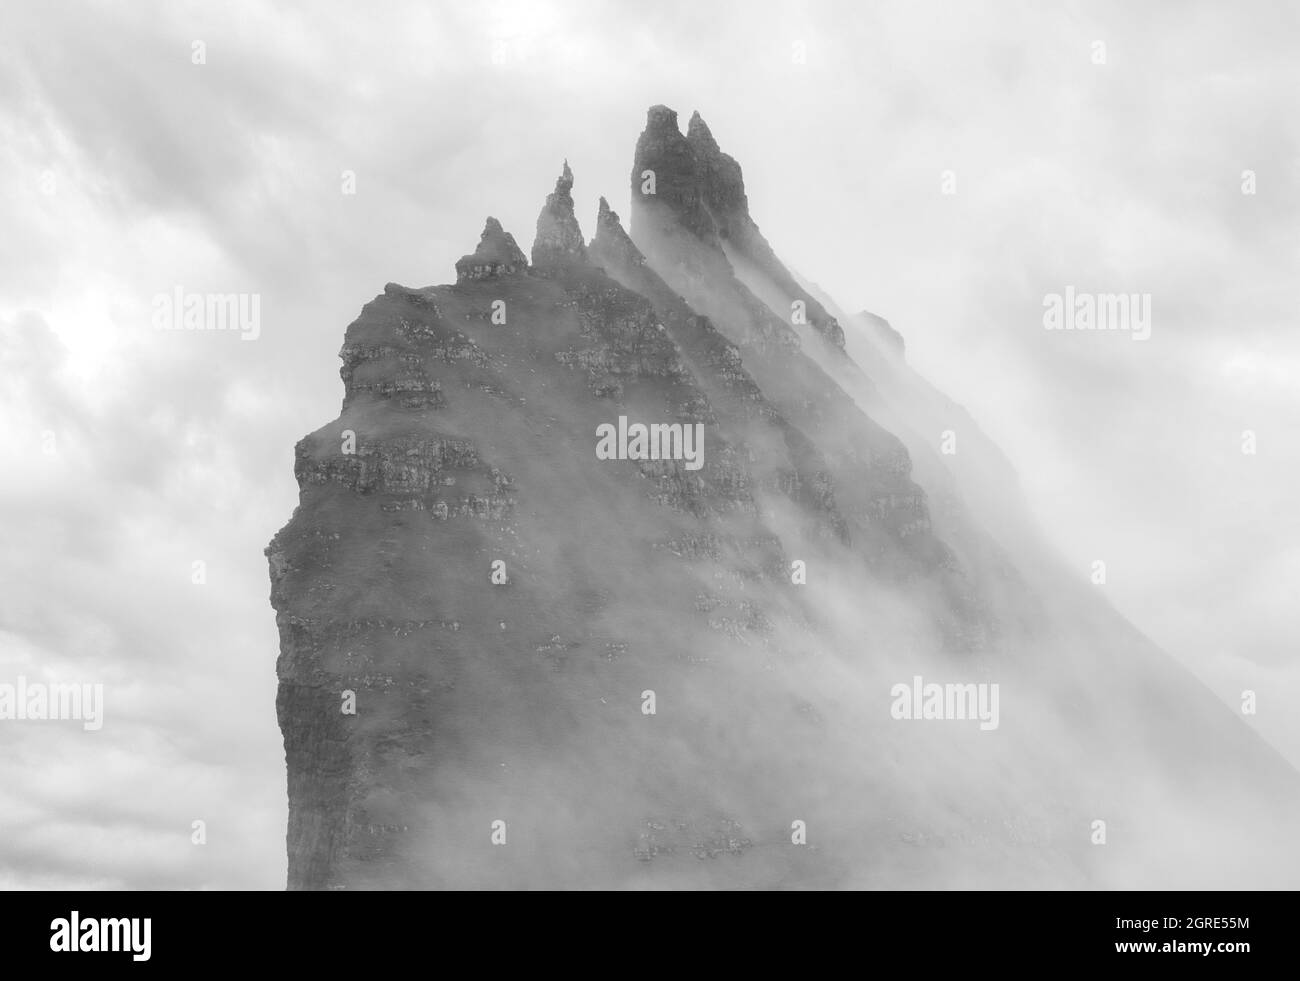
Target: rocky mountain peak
pixel 559 238
pixel 661 118
pixel 703 190
pixel 640 468
pixel 497 255
pixel 612 240
pixel 665 172
pixel 722 185
pixel 700 136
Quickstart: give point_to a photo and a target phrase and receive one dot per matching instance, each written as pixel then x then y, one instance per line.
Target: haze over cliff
pixel 508 662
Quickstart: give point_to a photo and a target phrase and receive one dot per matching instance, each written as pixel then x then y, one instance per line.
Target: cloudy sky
pixel 150 146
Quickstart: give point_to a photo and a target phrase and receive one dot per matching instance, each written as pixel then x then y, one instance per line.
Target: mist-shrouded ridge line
pixel 508 660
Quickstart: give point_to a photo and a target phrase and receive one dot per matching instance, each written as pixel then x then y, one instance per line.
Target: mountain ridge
pixel 498 602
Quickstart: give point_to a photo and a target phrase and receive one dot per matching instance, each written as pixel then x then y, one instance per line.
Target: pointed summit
pixel 700 136
pixel 558 236
pixel 497 255
pixel 721 182
pixel 661 118
pixel 701 190
pixel 612 243
pixel 605 215
pixel 666 178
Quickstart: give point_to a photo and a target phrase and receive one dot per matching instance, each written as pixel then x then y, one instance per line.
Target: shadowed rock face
pixel 704 192
pixel 496 255
pixel 506 661
pixel 559 239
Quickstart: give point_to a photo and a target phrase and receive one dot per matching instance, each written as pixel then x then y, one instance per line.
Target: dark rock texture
pixel 704 191
pixel 559 239
pixel 496 255
pixel 502 608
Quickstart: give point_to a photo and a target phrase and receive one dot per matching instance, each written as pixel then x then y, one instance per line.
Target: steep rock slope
pixel 508 662
pixel 464 442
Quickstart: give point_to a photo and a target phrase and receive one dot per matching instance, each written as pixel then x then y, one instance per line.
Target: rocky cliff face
pixel 509 659
pixel 702 191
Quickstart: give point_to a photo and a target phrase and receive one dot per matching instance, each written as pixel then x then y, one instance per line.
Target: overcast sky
pixel 127 170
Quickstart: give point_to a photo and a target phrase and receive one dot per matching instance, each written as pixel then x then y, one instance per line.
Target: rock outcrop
pixel 518 652
pixel 704 191
pixel 496 255
pixel 559 239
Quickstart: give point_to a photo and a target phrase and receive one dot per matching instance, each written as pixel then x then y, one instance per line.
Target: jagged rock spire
pixel 721 182
pixel 700 189
pixel 666 172
pixel 496 255
pixel 558 236
pixel 611 240
pixel 700 136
